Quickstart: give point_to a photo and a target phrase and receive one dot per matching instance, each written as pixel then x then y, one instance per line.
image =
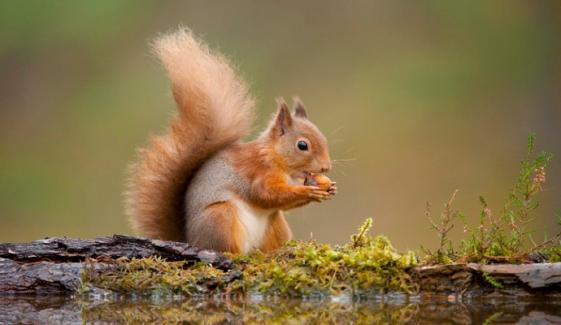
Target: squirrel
pixel 199 183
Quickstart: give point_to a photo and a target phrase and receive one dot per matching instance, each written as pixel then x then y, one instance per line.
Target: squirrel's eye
pixel 302 145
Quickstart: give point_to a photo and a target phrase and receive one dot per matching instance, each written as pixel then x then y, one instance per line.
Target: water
pixel 342 310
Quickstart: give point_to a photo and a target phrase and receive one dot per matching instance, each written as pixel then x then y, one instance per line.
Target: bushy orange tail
pixel 215 110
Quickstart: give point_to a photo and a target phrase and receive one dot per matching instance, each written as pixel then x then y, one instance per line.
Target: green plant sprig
pixel 503 238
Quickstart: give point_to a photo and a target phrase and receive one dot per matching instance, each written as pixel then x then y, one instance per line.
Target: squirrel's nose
pixel 325 168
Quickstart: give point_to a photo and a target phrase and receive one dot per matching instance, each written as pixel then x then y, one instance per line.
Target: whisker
pixel 340 165
pixel 343 162
pixel 337 130
pixel 349 150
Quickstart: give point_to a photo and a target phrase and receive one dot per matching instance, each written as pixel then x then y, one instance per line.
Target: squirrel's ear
pixel 299 109
pixel 283 120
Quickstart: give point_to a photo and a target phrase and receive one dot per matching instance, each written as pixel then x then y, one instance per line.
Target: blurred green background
pixel 418 99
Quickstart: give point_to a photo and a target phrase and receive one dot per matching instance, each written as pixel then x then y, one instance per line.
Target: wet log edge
pixel 53 266
pixel 492 280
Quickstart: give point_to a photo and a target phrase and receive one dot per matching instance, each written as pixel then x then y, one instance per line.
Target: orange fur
pixel 215 110
pixel 277 233
pixel 227 233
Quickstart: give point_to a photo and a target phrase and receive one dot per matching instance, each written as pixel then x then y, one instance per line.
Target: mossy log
pixel 54 265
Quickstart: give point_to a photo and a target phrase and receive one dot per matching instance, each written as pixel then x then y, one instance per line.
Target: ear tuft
pixel 283 121
pixel 299 109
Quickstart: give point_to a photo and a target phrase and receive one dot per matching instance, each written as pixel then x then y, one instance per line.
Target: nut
pixel 319 180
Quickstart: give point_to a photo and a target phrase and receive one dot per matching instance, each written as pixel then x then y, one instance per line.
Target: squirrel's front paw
pixel 322 182
pixel 317 194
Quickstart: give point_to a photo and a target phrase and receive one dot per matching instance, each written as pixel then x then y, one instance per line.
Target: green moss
pixel 553 254
pixel 492 281
pixel 155 275
pixel 364 266
pixel 304 268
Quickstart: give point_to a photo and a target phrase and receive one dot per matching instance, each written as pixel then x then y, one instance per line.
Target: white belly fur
pixel 255 222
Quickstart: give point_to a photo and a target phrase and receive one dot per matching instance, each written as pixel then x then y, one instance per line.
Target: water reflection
pixel 49 310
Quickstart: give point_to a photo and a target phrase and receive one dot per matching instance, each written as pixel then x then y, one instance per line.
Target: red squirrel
pixel 200 183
